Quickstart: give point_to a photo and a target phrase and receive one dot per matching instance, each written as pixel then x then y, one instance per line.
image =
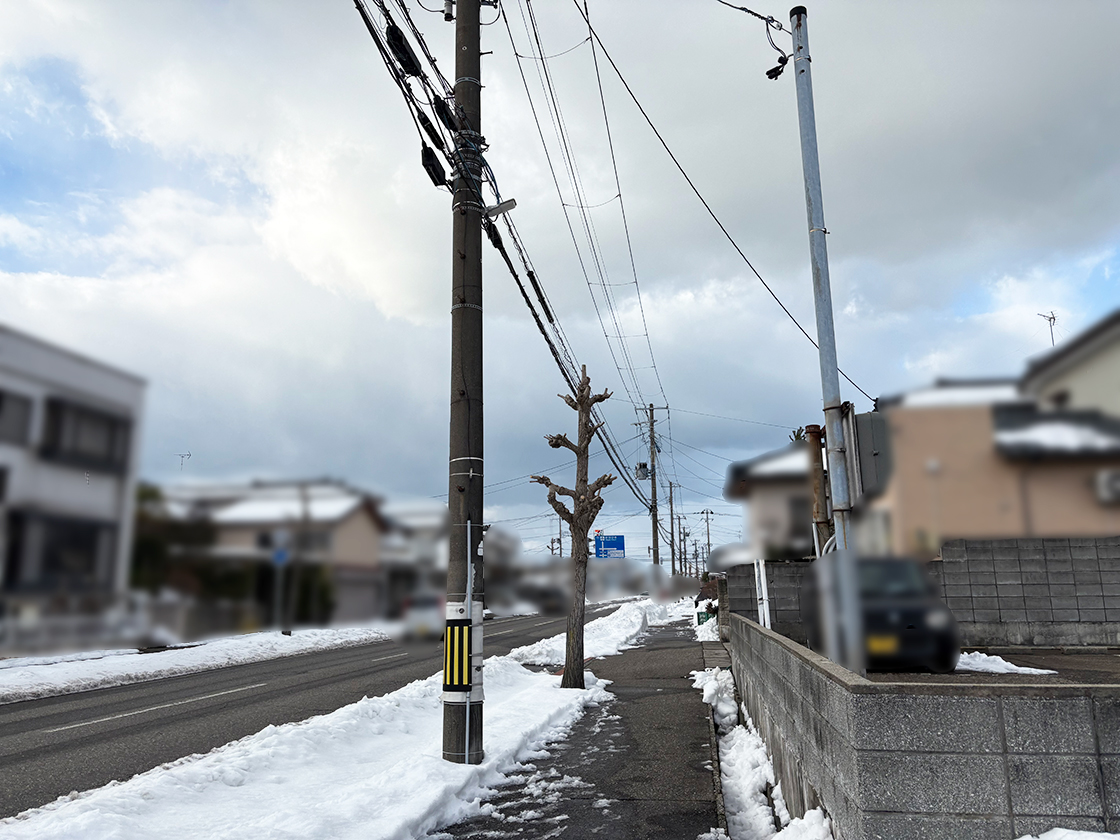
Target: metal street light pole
pixel 822 290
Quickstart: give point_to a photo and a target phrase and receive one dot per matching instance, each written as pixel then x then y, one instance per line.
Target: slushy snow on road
pixel 31 678
pixel 371 769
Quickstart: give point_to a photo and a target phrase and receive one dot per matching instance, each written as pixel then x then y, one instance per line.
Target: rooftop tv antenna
pixel 1052 319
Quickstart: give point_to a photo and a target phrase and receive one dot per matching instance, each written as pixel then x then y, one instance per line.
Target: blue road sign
pixel 280 556
pixel 610 546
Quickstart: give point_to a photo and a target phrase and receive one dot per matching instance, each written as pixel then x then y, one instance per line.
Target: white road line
pixel 383 658
pixel 154 708
pixel 486 635
pixel 550 621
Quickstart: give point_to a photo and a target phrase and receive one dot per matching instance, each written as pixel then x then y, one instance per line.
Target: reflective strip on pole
pixel 457 655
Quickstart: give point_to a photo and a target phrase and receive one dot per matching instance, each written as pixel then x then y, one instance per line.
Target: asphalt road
pixel 56 745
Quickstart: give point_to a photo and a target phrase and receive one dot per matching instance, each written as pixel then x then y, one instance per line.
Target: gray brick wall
pixel 1033 591
pixel 904 762
pixel 783 583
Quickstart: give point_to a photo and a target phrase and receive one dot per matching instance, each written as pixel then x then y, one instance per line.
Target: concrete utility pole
pixel 560 536
pixel 653 486
pixel 822 290
pixel 462 681
pixel 672 540
pixel 821 533
pixel 708 529
pixel 682 535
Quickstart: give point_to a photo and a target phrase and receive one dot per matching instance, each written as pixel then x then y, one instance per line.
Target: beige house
pixel 977 461
pixel 323 524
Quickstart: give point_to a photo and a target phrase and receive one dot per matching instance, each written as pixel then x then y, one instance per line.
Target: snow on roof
pixel 961 395
pixel 286 509
pixel 1055 435
pixel 791 462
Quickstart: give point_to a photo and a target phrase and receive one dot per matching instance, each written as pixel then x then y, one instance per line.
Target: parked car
pixel 424 616
pixel 906 625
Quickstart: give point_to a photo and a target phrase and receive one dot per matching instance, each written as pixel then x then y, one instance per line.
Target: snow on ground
pixel 1070 834
pixel 985 663
pixel 27 679
pixel 708 631
pixel 370 769
pixel 608 635
pixel 747 774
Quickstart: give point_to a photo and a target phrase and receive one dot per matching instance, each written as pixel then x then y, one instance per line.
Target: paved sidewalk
pixel 636 767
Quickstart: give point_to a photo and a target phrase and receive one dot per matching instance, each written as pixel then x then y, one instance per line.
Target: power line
pixel 735 419
pixel 700 196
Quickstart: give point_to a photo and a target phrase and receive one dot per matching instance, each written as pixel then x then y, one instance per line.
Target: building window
pixel 85 437
pixel 314 540
pixel 60 555
pixel 800 520
pixel 15 418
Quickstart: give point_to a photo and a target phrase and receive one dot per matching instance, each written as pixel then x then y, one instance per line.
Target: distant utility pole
pixel 1052 318
pixel 672 540
pixel 462 680
pixel 708 528
pixel 301 544
pixel 560 536
pixel 682 535
pixel 653 482
pixel 822 290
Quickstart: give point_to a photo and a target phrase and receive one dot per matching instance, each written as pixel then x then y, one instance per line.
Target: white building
pixel 69 446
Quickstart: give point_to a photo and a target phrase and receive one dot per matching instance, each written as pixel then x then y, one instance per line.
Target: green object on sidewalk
pixel 701 617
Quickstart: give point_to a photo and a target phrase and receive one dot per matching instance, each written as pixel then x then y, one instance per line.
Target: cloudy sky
pixel 226 198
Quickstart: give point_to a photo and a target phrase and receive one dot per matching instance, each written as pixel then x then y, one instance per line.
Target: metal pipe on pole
pixel 462 694
pixel 814 436
pixel 822 290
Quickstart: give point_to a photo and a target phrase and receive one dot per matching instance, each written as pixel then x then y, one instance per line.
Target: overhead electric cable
pixel 699 195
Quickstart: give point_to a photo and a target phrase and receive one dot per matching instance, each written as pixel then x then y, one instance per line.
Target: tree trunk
pixel 586 503
pixel 573 660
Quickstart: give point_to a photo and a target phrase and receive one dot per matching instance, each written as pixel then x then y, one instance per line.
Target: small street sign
pixel 280 556
pixel 607 546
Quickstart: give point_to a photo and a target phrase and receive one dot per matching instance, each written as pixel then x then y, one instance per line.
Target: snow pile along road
pixel 1070 834
pixel 608 635
pixel 987 664
pixel 371 769
pixel 753 802
pixel 27 679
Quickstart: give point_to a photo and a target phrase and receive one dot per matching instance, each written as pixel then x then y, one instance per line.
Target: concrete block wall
pixel 1033 591
pixel 783 582
pixel 907 761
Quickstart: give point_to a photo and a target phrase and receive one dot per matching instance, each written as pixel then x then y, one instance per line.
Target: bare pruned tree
pixel 586 504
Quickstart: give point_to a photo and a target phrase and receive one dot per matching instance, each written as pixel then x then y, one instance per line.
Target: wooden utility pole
pixel 462 682
pixel 586 504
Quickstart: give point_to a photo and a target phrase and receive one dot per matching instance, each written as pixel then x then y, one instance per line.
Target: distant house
pixel 355 561
pixel 69 443
pixel 775 491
